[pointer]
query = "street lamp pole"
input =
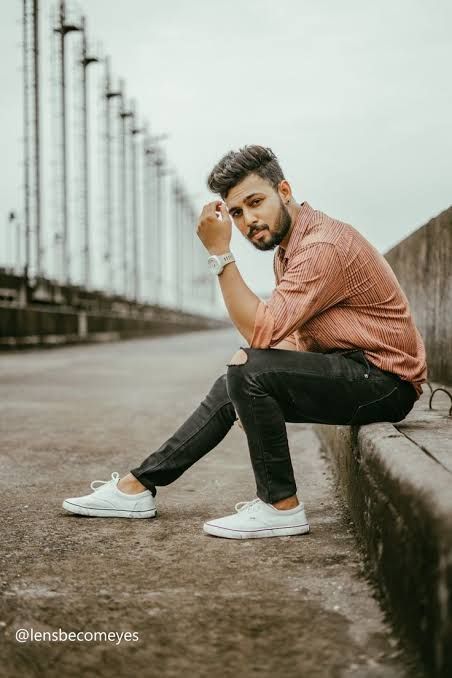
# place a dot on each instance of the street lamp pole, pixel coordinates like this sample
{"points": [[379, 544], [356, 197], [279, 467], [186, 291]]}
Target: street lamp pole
{"points": [[134, 130], [109, 95], [86, 61], [64, 29], [124, 114]]}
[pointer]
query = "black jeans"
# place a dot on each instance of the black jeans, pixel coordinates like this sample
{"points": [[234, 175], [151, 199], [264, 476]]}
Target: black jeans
{"points": [[272, 387]]}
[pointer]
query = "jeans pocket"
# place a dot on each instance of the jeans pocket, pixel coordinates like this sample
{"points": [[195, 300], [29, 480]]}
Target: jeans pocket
{"points": [[384, 408], [358, 356]]}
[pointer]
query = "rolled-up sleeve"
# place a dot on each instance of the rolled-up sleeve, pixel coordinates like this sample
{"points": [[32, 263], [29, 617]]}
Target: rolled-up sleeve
{"points": [[312, 282]]}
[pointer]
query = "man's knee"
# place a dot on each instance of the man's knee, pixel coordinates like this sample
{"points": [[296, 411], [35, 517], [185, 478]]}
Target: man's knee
{"points": [[239, 358]]}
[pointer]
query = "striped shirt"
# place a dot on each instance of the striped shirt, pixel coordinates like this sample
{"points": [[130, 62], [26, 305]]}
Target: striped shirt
{"points": [[334, 290]]}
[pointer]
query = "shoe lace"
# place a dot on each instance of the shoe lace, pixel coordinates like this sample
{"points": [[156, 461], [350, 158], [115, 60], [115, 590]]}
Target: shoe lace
{"points": [[246, 505], [114, 476]]}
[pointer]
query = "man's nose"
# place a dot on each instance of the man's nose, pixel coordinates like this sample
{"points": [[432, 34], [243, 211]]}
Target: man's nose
{"points": [[250, 220]]}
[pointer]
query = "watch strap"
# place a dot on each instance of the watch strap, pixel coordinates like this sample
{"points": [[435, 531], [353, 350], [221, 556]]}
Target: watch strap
{"points": [[227, 258]]}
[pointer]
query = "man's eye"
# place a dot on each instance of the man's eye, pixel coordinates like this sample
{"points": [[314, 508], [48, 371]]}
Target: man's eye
{"points": [[257, 201]]}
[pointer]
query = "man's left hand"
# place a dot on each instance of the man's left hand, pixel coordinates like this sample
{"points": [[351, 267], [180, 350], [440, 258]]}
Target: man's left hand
{"points": [[215, 233]]}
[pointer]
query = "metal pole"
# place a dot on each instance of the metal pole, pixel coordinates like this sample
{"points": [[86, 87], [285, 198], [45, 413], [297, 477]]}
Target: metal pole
{"points": [[109, 235], [180, 249], [157, 173], [18, 247], [181, 244], [124, 114], [63, 29], [86, 61], [159, 226], [192, 253], [148, 212], [133, 131], [65, 245], [9, 237], [136, 269], [37, 140], [177, 243], [26, 129]]}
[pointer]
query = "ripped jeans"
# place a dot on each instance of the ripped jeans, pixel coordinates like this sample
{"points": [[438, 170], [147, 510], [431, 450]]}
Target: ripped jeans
{"points": [[272, 387]]}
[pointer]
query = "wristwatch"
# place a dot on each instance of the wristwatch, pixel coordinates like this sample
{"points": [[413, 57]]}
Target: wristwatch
{"points": [[217, 262]]}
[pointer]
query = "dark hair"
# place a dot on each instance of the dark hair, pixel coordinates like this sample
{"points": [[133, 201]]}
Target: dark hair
{"points": [[236, 165]]}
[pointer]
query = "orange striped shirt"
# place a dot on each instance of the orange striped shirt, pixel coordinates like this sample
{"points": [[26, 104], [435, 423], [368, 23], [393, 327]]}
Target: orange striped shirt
{"points": [[334, 290]]}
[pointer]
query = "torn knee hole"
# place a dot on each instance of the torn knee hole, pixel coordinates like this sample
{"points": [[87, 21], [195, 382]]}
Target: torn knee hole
{"points": [[239, 358]]}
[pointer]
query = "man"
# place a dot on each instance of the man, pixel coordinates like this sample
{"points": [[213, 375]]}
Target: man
{"points": [[349, 351]]}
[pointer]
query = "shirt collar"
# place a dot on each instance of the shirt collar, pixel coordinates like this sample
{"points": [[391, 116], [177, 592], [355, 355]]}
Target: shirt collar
{"points": [[302, 221]]}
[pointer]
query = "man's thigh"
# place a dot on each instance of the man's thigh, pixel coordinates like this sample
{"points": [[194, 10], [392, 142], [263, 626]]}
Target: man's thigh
{"points": [[341, 387]]}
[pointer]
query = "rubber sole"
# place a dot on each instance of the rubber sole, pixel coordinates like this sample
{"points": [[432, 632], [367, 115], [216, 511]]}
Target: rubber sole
{"points": [[255, 534], [106, 513]]}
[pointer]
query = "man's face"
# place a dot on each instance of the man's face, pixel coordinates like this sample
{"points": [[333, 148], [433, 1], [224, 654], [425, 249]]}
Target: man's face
{"points": [[257, 209]]}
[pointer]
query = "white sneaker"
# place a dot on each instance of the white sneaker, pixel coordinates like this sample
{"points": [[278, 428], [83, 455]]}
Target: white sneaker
{"points": [[256, 519], [107, 501]]}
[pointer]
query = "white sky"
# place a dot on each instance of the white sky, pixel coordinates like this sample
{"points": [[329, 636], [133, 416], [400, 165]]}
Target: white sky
{"points": [[354, 97]]}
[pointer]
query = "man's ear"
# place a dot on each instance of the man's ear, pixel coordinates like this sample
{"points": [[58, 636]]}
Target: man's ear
{"points": [[284, 190]]}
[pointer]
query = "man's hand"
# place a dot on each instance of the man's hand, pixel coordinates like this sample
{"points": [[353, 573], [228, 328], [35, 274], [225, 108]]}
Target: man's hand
{"points": [[215, 233]]}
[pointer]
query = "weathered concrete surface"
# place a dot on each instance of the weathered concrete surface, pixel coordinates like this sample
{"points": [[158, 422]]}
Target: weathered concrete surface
{"points": [[397, 480], [202, 606], [431, 429], [423, 266]]}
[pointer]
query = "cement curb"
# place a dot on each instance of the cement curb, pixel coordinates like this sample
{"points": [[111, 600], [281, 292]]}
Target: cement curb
{"points": [[400, 500]]}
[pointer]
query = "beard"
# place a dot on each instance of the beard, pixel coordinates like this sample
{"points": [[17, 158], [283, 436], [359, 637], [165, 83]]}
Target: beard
{"points": [[277, 235]]}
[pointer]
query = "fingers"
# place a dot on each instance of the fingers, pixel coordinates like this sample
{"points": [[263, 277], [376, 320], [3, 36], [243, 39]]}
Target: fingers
{"points": [[224, 211], [211, 207]]}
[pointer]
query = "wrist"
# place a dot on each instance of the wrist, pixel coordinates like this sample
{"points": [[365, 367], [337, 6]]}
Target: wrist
{"points": [[217, 262]]}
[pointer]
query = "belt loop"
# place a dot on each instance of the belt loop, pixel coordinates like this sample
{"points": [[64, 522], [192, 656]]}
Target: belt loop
{"points": [[366, 376]]}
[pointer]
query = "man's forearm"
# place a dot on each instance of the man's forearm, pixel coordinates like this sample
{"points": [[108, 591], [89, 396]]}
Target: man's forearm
{"points": [[240, 301]]}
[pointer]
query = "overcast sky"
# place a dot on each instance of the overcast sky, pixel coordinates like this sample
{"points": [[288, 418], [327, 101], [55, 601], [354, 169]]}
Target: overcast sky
{"points": [[354, 97]]}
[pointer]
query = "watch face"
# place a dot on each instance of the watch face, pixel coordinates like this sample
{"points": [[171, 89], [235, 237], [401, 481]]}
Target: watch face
{"points": [[214, 265]]}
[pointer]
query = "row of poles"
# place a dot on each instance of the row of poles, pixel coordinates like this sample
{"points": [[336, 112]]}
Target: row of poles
{"points": [[145, 202]]}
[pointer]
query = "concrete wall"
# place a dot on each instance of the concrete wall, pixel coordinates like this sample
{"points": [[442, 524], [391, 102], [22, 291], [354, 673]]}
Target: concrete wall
{"points": [[41, 312], [35, 326], [423, 265]]}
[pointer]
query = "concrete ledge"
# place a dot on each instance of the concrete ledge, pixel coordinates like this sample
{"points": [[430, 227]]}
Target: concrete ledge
{"points": [[400, 497], [31, 326]]}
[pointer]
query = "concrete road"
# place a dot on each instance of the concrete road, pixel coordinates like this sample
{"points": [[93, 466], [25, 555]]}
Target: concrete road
{"points": [[200, 606]]}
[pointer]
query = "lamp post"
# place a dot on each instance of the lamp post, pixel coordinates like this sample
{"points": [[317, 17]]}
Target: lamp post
{"points": [[37, 149], [134, 130], [31, 104], [149, 210], [86, 61], [26, 134], [109, 95], [180, 200], [161, 172], [64, 29], [124, 114], [9, 237]]}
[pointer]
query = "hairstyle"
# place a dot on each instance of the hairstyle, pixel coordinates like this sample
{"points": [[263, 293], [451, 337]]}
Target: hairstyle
{"points": [[236, 165]]}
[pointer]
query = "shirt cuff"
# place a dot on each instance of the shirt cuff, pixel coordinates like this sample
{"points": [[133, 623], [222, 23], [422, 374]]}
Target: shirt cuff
{"points": [[264, 324]]}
